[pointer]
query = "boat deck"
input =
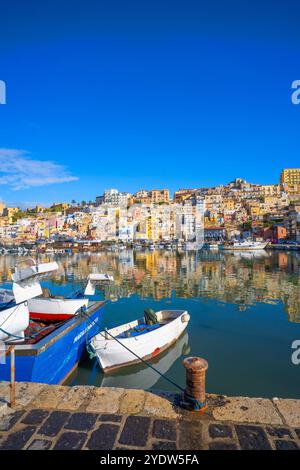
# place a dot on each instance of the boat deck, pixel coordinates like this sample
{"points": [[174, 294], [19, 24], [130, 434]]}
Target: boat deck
{"points": [[38, 334]]}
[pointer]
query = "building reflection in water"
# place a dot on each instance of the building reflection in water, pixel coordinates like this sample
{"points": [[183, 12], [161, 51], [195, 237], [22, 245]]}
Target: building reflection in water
{"points": [[240, 278]]}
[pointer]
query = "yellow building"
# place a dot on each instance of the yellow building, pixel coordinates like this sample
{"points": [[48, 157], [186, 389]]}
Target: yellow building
{"points": [[60, 205], [182, 194], [255, 209], [270, 189], [160, 195], [229, 204], [2, 207], [290, 176], [9, 212]]}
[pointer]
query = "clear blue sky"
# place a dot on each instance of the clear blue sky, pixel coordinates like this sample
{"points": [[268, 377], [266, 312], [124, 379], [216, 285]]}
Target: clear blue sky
{"points": [[145, 94]]}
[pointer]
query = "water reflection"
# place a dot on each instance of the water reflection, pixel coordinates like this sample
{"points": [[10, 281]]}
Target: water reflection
{"points": [[244, 311], [240, 278]]}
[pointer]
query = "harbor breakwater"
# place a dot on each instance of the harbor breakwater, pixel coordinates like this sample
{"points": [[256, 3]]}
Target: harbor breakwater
{"points": [[103, 418]]}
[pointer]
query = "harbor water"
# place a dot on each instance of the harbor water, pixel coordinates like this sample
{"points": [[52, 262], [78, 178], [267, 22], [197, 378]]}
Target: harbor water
{"points": [[244, 308]]}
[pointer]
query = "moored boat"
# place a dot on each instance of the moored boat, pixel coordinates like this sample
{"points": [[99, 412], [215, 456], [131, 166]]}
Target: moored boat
{"points": [[49, 309], [138, 339], [244, 245], [139, 375], [49, 354], [54, 309]]}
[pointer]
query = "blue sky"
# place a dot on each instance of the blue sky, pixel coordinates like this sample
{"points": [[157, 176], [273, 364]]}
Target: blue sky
{"points": [[133, 95]]}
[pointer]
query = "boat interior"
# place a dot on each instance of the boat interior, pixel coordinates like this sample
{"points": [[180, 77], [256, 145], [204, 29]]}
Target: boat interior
{"points": [[36, 331], [149, 322]]}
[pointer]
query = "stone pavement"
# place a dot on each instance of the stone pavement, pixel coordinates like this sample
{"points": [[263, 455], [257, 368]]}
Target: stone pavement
{"points": [[83, 417]]}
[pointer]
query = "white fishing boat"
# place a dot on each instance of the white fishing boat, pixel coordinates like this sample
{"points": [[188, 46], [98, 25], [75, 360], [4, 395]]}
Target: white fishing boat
{"points": [[49, 308], [53, 309], [243, 245], [144, 338], [43, 306]]}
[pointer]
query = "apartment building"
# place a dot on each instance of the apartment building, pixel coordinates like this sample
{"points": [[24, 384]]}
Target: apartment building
{"points": [[290, 176], [160, 195]]}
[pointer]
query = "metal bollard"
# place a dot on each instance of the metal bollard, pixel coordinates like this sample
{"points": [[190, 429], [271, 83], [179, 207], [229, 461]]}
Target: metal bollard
{"points": [[194, 398]]}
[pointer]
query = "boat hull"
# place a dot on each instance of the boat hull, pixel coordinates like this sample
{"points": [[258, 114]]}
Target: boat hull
{"points": [[53, 358], [14, 320], [112, 355], [53, 310]]}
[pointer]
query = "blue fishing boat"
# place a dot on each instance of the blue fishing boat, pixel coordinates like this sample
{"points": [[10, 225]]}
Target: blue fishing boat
{"points": [[49, 354]]}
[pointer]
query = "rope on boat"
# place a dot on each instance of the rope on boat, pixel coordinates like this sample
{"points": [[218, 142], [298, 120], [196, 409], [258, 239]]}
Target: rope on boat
{"points": [[83, 312], [32, 335], [11, 334]]}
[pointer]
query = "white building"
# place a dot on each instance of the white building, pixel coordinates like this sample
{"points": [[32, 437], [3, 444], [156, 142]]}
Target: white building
{"points": [[115, 198]]}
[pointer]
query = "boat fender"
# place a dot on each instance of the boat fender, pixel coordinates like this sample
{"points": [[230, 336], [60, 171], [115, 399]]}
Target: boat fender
{"points": [[185, 318]]}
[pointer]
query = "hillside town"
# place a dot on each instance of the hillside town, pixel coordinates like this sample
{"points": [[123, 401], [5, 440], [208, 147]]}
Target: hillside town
{"points": [[238, 209]]}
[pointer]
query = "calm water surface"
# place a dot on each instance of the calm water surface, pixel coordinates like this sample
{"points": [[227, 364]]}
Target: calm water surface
{"points": [[244, 308]]}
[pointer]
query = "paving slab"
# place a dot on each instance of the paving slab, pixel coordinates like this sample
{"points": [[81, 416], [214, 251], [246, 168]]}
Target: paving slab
{"points": [[252, 437], [248, 410], [164, 429], [111, 418], [135, 431], [289, 409], [158, 406], [103, 438], [105, 400], [50, 397], [18, 440], [286, 445], [191, 436], [70, 441], [132, 402], [39, 444], [81, 421], [35, 417], [25, 392], [8, 420], [75, 397], [54, 423]]}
